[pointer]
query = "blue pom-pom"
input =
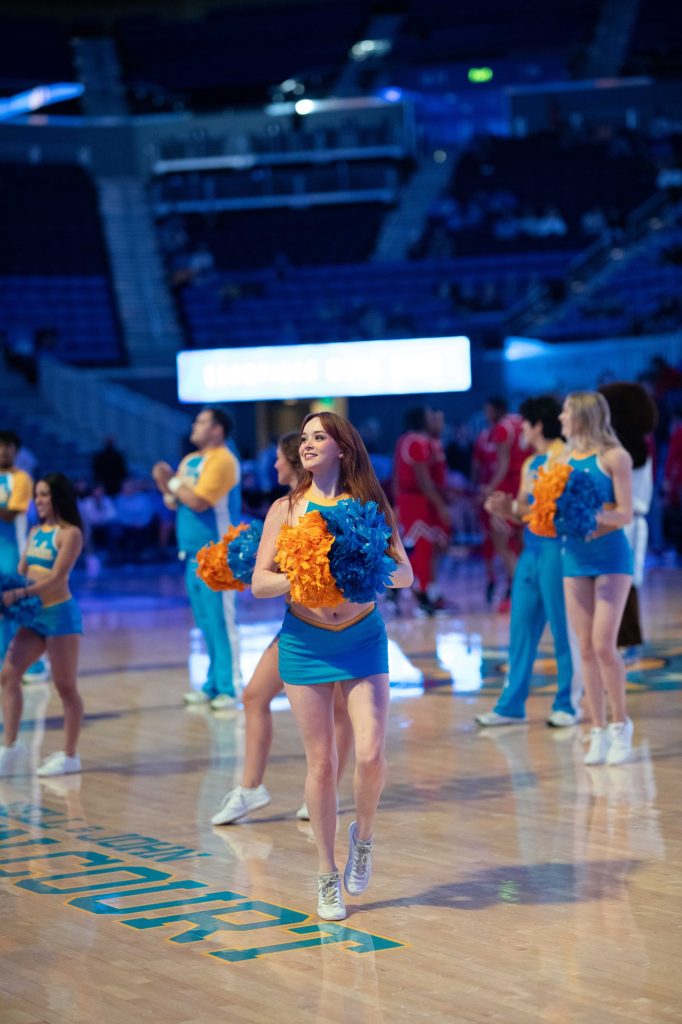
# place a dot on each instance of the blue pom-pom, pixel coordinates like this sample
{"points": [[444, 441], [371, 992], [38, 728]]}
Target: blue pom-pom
{"points": [[23, 611], [241, 552], [358, 559], [576, 509]]}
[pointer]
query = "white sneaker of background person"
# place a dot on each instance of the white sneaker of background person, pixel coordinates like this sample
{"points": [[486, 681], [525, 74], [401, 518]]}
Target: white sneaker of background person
{"points": [[59, 763], [13, 759]]}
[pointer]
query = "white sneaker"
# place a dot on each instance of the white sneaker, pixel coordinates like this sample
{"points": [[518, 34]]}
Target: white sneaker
{"points": [[330, 905], [223, 702], [358, 870], [11, 758], [620, 739], [303, 815], [488, 718], [196, 697], [239, 802], [599, 746], [563, 719], [38, 672], [59, 764]]}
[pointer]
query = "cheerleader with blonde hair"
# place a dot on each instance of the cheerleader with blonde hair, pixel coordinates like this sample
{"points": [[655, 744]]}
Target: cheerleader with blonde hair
{"points": [[597, 571]]}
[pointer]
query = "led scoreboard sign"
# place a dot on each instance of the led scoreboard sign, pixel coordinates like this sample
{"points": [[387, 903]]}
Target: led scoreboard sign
{"points": [[412, 366]]}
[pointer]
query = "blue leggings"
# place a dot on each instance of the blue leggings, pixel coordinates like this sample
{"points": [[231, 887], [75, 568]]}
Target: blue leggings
{"points": [[537, 598], [214, 615]]}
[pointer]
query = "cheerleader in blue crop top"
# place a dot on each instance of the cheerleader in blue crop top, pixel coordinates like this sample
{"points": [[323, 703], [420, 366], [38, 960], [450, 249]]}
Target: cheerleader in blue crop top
{"points": [[598, 572], [266, 683], [52, 551], [345, 644]]}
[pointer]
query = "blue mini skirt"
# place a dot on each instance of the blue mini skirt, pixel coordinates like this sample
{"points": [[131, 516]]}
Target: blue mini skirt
{"points": [[58, 619], [604, 556], [312, 654]]}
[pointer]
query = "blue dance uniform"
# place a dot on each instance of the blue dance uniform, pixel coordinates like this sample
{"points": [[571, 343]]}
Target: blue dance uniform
{"points": [[313, 653], [60, 619], [605, 555], [537, 597]]}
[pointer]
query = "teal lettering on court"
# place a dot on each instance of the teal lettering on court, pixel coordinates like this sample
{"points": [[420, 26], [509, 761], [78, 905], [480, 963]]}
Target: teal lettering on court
{"points": [[146, 847], [85, 857], [100, 904], [208, 922], [142, 874], [108, 880], [322, 935]]}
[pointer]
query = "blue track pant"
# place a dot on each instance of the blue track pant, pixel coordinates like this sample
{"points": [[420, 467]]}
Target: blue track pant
{"points": [[537, 598], [214, 614]]}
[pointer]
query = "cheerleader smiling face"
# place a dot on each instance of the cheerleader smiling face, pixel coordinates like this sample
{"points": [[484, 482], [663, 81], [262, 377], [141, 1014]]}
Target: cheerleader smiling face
{"points": [[319, 452], [43, 501]]}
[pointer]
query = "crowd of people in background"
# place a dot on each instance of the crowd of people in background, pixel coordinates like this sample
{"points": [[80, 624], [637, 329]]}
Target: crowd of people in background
{"points": [[126, 522]]}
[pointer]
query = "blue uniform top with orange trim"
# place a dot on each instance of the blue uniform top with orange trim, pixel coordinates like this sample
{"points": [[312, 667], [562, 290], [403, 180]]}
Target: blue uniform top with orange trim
{"points": [[42, 552], [212, 475]]}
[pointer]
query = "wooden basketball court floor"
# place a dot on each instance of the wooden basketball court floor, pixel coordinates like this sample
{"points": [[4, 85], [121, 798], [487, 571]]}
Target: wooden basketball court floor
{"points": [[512, 883]]}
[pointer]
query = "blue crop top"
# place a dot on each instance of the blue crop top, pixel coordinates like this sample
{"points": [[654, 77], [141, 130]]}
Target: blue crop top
{"points": [[42, 548]]}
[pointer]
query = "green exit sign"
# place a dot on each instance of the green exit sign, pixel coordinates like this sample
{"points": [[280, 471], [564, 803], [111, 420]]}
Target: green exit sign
{"points": [[479, 75]]}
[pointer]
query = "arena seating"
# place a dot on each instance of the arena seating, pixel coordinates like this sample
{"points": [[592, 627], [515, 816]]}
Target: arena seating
{"points": [[53, 265], [638, 296], [516, 178]]}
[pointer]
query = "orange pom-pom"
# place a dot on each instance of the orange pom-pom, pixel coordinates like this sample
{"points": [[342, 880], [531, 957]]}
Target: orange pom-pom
{"points": [[548, 487], [213, 567], [303, 555]]}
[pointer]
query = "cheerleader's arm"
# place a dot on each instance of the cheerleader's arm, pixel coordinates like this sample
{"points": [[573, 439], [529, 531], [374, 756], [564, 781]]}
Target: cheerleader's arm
{"points": [[619, 465], [267, 580], [403, 574]]}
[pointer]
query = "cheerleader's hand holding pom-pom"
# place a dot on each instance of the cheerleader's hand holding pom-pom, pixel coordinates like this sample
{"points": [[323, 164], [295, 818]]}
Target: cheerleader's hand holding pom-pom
{"points": [[358, 559], [24, 609], [213, 566], [548, 488], [302, 555], [242, 551], [577, 507]]}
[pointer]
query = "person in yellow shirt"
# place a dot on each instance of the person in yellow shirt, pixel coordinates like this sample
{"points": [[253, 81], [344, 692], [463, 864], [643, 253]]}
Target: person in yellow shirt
{"points": [[16, 491], [200, 491]]}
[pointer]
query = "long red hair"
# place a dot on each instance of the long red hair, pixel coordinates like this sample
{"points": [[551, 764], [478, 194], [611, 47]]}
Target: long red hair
{"points": [[357, 477]]}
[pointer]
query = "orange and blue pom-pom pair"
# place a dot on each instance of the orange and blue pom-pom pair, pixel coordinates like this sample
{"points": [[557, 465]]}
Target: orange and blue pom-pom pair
{"points": [[337, 554], [229, 564], [565, 503]]}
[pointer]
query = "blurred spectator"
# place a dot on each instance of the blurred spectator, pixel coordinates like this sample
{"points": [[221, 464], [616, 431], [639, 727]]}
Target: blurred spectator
{"points": [[98, 513], [423, 515], [27, 461], [266, 476], [135, 527], [497, 461], [593, 222], [551, 223], [109, 467]]}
